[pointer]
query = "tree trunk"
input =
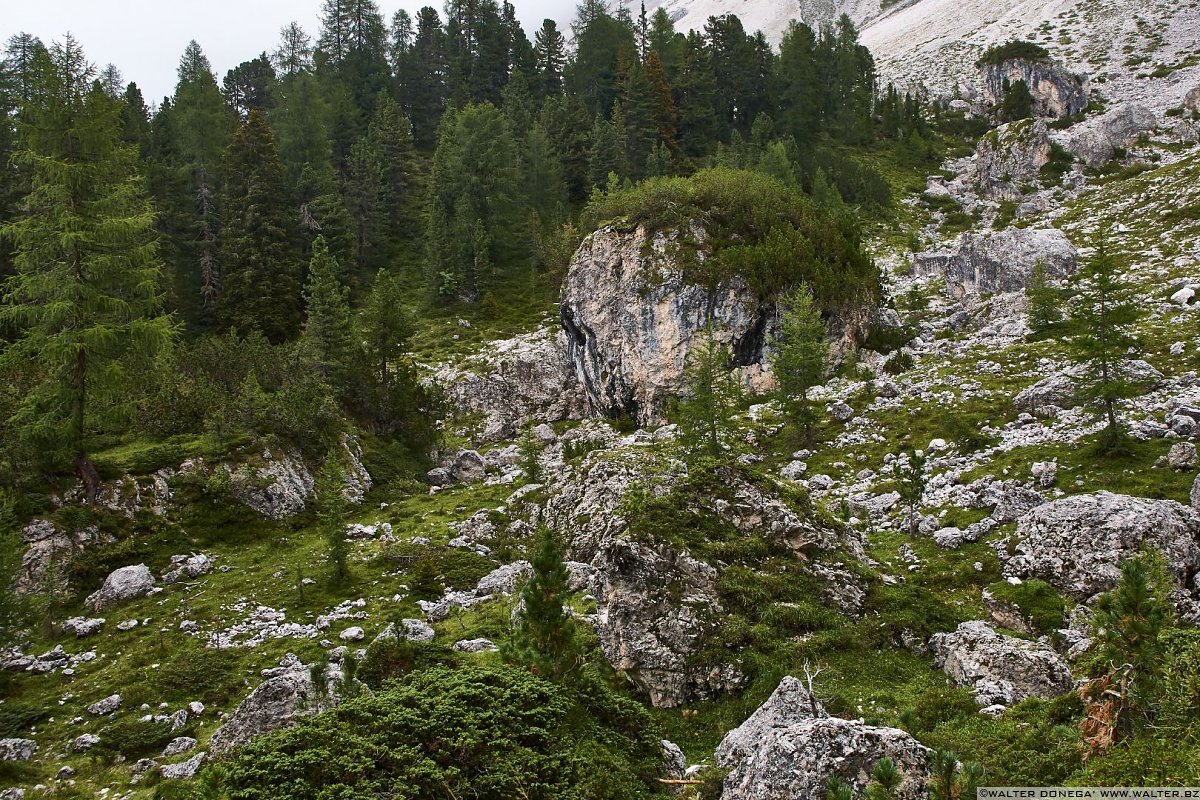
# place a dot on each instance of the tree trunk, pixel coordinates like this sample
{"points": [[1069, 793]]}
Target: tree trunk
{"points": [[87, 473]]}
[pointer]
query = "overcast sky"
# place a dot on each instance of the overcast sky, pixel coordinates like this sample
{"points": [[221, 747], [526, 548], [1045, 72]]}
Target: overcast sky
{"points": [[145, 38]]}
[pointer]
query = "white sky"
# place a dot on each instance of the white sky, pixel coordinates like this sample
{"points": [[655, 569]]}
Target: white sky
{"points": [[145, 38]]}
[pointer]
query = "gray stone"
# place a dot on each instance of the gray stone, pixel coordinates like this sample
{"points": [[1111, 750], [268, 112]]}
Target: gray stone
{"points": [[277, 702], [106, 706], [17, 749], [127, 625], [674, 762], [178, 746], [468, 467], [84, 742], [1061, 388], [1077, 544], [184, 770], [1182, 457], [790, 748], [503, 580], [122, 584], [64, 773], [277, 489], [439, 476], [82, 626], [353, 634], [841, 412], [1056, 90], [998, 261], [1191, 100], [191, 566], [999, 669], [1010, 155], [1096, 142], [1195, 497], [475, 646]]}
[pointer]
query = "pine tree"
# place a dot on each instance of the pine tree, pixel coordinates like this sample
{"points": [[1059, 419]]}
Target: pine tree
{"points": [[912, 478], [328, 328], [802, 353], [1046, 301], [250, 86], [550, 58], [544, 639], [428, 92], [331, 509], [261, 284], [295, 51], [1102, 321], [83, 303], [713, 397], [14, 609]]}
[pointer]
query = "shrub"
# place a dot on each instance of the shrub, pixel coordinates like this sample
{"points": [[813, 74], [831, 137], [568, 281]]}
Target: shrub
{"points": [[133, 738], [1036, 600], [200, 673], [1012, 50]]}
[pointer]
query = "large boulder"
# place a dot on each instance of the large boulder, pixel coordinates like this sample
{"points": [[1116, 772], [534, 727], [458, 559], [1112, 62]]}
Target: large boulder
{"points": [[511, 381], [122, 584], [279, 701], [790, 748], [655, 609], [277, 488], [1077, 544], [1000, 670], [1061, 388], [1057, 91], [49, 550], [1008, 156], [17, 749], [999, 261], [1096, 142], [631, 320]]}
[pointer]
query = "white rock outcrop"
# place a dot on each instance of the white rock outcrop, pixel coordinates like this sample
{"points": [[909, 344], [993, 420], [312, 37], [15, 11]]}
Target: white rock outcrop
{"points": [[122, 584], [1000, 670], [999, 261]]}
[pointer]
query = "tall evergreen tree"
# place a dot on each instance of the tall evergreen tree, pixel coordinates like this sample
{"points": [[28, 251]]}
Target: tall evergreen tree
{"points": [[801, 353], [713, 397], [260, 287], [544, 639], [295, 51], [328, 325], [550, 59], [429, 84], [1102, 320], [84, 303], [250, 85]]}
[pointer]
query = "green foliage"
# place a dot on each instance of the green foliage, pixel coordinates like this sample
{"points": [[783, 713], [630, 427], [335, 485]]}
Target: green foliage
{"points": [[331, 508], [133, 739], [478, 731], [544, 639], [950, 779], [1102, 322], [1014, 49], [757, 228], [1051, 173], [13, 609], [802, 353], [1017, 103], [531, 455], [912, 477], [328, 331], [1036, 600], [424, 580], [713, 397], [83, 303], [199, 673], [1046, 301]]}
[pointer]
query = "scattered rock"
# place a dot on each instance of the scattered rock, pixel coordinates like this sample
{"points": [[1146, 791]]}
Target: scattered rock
{"points": [[192, 566], [1182, 457], [999, 261], [82, 626], [475, 646], [122, 584], [127, 625], [179, 746], [1009, 155], [790, 748], [354, 634], [1096, 142], [1060, 388], [468, 467], [1000, 670], [106, 706], [278, 702], [277, 489], [1077, 544], [84, 742], [841, 412], [184, 770], [17, 749]]}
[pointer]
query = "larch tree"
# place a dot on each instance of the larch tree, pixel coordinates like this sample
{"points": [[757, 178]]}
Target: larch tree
{"points": [[261, 286], [1102, 321], [801, 353], [84, 302], [713, 397], [544, 639]]}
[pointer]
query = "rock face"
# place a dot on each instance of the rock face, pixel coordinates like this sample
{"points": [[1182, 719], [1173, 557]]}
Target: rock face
{"points": [[1096, 142], [1057, 92], [277, 489], [655, 608], [17, 749], [999, 261], [1078, 543], [1008, 156], [286, 695], [631, 321], [122, 584], [50, 546], [789, 748], [1001, 670], [515, 379]]}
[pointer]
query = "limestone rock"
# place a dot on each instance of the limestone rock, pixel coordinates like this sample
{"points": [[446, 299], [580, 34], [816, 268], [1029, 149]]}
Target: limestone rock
{"points": [[1182, 456], [503, 580], [509, 381], [631, 320], [277, 703], [475, 646], [468, 467], [789, 748], [49, 548], [1078, 543], [17, 749], [191, 566], [1000, 670], [1195, 497], [1057, 92], [1096, 142], [84, 742], [277, 489], [353, 634], [655, 608], [82, 626], [106, 706], [179, 745], [122, 584], [999, 261], [1060, 388], [1010, 155], [184, 770]]}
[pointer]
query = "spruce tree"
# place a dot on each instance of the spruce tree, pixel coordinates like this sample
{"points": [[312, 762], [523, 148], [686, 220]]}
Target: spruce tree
{"points": [[550, 58], [261, 284], [331, 508], [544, 639], [83, 304], [328, 328], [1101, 322], [912, 478], [1046, 301], [801, 353], [713, 397]]}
